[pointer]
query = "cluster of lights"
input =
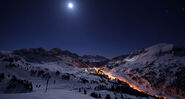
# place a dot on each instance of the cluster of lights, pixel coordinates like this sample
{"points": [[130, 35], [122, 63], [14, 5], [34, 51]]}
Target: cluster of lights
{"points": [[110, 76]]}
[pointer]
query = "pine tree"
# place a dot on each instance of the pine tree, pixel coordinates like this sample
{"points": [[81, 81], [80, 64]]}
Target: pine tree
{"points": [[99, 96], [107, 96], [93, 94], [85, 92], [79, 89]]}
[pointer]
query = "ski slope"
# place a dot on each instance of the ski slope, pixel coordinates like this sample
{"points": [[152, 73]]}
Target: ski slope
{"points": [[50, 94]]}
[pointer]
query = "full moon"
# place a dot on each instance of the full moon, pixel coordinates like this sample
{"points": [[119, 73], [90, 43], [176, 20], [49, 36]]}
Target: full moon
{"points": [[70, 5]]}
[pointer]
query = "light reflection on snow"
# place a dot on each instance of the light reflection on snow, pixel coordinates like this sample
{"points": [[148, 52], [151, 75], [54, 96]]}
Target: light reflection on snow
{"points": [[131, 59], [110, 76]]}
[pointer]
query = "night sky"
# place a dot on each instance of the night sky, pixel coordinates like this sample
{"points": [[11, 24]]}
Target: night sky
{"points": [[105, 27]]}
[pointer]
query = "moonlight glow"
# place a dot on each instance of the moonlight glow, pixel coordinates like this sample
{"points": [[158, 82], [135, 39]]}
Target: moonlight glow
{"points": [[70, 5]]}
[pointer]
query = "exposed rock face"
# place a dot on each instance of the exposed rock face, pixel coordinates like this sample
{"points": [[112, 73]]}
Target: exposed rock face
{"points": [[159, 69]]}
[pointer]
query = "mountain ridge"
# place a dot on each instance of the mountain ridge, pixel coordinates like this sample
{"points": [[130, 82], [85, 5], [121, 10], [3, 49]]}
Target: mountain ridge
{"points": [[148, 68]]}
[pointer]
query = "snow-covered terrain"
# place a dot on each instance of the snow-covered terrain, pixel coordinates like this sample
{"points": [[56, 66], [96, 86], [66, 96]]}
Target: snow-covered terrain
{"points": [[51, 94], [37, 73], [54, 74], [159, 69]]}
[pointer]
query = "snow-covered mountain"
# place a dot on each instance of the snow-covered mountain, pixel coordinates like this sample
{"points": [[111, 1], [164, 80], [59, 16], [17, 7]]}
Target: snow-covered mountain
{"points": [[94, 61], [40, 55], [159, 69], [37, 73]]}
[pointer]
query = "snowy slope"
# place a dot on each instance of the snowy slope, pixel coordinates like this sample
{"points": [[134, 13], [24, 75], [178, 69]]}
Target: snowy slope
{"points": [[51, 94], [25, 73], [159, 69]]}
